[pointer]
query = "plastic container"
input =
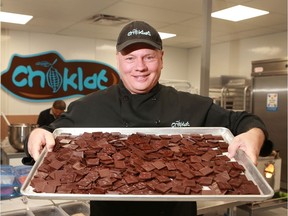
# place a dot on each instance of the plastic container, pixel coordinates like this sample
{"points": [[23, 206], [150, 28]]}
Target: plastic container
{"points": [[7, 181], [7, 175], [18, 213], [12, 179], [76, 208], [21, 173], [49, 211]]}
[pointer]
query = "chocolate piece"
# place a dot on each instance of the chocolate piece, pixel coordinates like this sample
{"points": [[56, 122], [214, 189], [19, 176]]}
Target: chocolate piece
{"points": [[179, 189], [92, 161], [196, 189], [145, 175], [119, 164], [118, 156], [130, 179], [214, 187], [163, 179], [188, 174], [189, 183], [234, 173], [148, 166], [104, 182], [162, 188], [126, 189], [224, 186], [170, 166], [236, 182], [208, 156], [206, 170], [175, 138], [222, 177], [159, 164], [238, 166], [197, 166], [104, 173], [195, 159], [205, 181]]}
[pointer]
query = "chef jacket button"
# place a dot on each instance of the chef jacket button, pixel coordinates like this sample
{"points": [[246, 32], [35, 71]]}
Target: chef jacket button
{"points": [[157, 122], [125, 98], [125, 124], [154, 99]]}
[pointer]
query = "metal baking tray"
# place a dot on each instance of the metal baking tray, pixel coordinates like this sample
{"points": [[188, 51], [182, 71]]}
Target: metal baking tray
{"points": [[252, 173]]}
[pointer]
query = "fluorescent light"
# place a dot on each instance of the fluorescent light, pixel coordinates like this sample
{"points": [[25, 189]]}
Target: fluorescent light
{"points": [[14, 18], [166, 35], [238, 13]]}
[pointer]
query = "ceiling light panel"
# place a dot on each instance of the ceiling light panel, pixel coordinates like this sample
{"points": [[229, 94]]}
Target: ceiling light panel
{"points": [[238, 13], [14, 18], [164, 35]]}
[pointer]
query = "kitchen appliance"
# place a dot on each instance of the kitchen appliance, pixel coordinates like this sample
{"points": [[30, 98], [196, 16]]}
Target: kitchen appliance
{"points": [[269, 102], [17, 133], [270, 168]]}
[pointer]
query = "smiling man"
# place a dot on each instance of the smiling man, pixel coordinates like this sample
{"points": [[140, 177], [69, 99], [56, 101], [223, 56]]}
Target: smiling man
{"points": [[140, 101]]}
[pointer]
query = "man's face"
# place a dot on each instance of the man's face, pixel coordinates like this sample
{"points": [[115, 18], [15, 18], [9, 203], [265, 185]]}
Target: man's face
{"points": [[57, 112], [140, 67]]}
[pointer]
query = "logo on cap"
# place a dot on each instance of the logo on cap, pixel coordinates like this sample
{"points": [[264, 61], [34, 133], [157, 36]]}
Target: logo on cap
{"points": [[138, 32]]}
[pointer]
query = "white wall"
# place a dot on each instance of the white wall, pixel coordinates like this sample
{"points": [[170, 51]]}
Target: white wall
{"points": [[71, 48], [235, 58], [231, 58]]}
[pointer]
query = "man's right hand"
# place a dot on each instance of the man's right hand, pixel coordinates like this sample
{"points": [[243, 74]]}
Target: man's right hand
{"points": [[38, 139]]}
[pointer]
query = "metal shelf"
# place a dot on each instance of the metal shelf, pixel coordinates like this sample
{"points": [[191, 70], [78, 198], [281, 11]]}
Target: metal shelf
{"points": [[235, 98], [264, 205]]}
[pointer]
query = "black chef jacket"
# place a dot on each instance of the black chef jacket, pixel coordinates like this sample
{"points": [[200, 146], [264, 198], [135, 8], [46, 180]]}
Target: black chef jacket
{"points": [[45, 118], [162, 107]]}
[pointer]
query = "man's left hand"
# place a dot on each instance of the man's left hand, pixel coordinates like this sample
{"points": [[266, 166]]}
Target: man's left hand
{"points": [[250, 142]]}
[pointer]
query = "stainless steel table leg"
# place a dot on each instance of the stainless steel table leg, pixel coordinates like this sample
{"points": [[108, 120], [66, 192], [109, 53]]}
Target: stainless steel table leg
{"points": [[230, 211]]}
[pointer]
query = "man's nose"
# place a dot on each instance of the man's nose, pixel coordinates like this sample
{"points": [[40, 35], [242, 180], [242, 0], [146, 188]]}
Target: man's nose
{"points": [[140, 65]]}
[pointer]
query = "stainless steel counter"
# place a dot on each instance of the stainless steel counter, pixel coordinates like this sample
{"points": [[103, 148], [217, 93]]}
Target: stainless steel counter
{"points": [[9, 155], [22, 203], [214, 206]]}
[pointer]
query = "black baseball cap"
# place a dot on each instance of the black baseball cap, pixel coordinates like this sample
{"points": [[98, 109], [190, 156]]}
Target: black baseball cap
{"points": [[138, 32]]}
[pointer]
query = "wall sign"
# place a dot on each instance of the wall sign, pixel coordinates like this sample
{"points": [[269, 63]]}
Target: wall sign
{"points": [[272, 102], [47, 76]]}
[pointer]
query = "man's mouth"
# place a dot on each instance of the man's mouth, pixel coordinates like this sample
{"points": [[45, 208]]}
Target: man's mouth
{"points": [[141, 77]]}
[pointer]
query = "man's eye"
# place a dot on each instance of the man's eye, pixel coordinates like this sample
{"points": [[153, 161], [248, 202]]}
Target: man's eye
{"points": [[149, 58], [129, 58]]}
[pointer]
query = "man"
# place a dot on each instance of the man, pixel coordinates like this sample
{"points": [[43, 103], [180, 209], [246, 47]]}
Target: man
{"points": [[140, 101], [47, 116]]}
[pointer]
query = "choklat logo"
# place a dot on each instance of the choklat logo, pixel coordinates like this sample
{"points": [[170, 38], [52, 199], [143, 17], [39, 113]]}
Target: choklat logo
{"points": [[47, 76]]}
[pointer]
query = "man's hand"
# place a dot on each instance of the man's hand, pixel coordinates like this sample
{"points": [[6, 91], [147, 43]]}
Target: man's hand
{"points": [[250, 142], [37, 140]]}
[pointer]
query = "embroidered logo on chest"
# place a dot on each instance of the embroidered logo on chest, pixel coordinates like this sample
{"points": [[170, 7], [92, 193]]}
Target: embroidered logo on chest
{"points": [[180, 124]]}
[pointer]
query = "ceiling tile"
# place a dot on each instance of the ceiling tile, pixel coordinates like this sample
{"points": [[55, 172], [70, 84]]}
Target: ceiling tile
{"points": [[181, 17]]}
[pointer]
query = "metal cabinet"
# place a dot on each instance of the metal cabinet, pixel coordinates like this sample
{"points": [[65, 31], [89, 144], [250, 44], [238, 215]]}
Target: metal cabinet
{"points": [[269, 102]]}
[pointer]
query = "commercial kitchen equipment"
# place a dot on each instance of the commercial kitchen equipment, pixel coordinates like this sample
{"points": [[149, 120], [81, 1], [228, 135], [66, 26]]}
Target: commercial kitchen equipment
{"points": [[231, 93], [180, 85], [269, 102], [18, 133]]}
